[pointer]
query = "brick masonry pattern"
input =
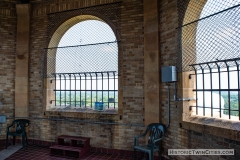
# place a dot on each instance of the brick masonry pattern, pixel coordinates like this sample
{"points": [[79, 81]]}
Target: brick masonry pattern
{"points": [[111, 136]]}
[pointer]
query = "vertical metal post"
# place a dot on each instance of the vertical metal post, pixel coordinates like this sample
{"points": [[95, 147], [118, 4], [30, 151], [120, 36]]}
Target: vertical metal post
{"points": [[75, 80], [85, 90], [70, 92], [228, 76], [96, 87], [60, 89], [55, 76], [219, 87], [237, 65], [102, 86], [203, 89], [91, 87], [65, 86], [108, 87], [195, 70], [80, 78], [114, 88], [238, 91], [196, 90], [210, 69]]}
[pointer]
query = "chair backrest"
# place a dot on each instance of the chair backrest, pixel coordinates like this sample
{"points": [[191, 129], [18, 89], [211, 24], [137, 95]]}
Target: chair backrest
{"points": [[156, 131], [21, 125]]}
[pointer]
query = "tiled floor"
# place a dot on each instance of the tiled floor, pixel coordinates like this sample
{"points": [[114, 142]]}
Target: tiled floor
{"points": [[35, 152]]}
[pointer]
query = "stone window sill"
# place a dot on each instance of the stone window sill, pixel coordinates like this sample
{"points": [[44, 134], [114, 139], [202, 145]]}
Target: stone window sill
{"points": [[216, 122], [83, 110], [107, 114]]}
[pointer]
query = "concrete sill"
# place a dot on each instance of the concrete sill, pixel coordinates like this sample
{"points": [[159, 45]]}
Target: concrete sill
{"points": [[215, 122]]}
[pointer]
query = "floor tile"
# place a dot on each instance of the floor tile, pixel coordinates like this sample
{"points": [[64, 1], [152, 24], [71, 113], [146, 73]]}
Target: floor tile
{"points": [[37, 152]]}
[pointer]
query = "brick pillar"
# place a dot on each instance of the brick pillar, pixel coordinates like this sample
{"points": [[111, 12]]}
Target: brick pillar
{"points": [[22, 60], [151, 62]]}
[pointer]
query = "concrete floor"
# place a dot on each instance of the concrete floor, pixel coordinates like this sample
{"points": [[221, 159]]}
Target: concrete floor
{"points": [[5, 153]]}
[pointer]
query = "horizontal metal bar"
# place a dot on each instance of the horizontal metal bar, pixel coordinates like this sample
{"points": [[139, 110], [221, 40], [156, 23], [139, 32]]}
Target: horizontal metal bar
{"points": [[80, 121], [225, 60], [208, 16], [216, 89], [82, 79], [82, 45], [84, 90], [85, 72], [215, 72], [184, 99], [213, 108], [84, 101]]}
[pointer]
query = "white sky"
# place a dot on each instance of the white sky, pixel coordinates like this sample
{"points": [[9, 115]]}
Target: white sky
{"points": [[217, 32], [86, 32]]}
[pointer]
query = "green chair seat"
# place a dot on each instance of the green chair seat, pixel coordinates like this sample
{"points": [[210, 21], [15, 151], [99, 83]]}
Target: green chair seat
{"points": [[19, 127], [155, 132]]}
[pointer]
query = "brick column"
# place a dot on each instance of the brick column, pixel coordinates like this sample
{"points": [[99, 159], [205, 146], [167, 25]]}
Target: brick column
{"points": [[22, 60], [151, 62]]}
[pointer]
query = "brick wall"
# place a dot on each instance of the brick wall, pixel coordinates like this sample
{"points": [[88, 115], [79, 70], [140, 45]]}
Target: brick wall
{"points": [[179, 136], [132, 82], [8, 21], [112, 136]]}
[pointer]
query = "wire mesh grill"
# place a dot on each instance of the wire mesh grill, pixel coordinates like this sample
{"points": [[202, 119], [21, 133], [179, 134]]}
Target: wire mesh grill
{"points": [[83, 58], [108, 12], [89, 42], [212, 37]]}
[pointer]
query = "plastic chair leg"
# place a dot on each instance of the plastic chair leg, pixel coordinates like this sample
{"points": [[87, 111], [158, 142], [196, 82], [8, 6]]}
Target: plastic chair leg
{"points": [[23, 141], [13, 141], [6, 142], [26, 139], [159, 155], [134, 154], [151, 157]]}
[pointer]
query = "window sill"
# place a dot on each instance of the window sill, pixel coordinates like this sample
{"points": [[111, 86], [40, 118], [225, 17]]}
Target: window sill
{"points": [[84, 113], [216, 122], [83, 110]]}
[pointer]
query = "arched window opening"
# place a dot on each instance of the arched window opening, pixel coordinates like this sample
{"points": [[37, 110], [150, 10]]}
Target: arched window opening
{"points": [[210, 48], [85, 67]]}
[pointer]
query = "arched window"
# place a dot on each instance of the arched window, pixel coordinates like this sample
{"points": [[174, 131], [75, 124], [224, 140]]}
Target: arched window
{"points": [[210, 48], [84, 65]]}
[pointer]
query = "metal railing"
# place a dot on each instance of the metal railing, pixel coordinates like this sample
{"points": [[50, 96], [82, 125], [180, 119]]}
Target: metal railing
{"points": [[218, 81], [85, 88]]}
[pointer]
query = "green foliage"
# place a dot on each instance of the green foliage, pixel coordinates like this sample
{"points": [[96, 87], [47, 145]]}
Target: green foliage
{"points": [[85, 98], [233, 104]]}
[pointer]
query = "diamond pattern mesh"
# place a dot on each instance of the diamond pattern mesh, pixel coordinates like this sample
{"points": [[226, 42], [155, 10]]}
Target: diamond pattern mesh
{"points": [[91, 45], [83, 58], [214, 36]]}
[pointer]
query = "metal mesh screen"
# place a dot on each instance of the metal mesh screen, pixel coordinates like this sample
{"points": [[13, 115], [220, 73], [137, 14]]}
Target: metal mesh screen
{"points": [[89, 42], [212, 36], [83, 58]]}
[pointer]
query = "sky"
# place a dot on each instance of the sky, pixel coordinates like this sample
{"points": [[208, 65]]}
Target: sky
{"points": [[217, 38], [87, 58]]}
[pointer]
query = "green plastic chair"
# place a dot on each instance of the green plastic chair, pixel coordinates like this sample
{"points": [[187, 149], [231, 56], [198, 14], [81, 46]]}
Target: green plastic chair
{"points": [[155, 133], [19, 127]]}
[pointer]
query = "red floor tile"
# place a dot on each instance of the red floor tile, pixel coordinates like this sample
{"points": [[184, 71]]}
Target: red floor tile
{"points": [[35, 152]]}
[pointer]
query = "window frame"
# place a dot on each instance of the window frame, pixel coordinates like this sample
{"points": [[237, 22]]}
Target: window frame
{"points": [[186, 85], [86, 77], [49, 84], [212, 68]]}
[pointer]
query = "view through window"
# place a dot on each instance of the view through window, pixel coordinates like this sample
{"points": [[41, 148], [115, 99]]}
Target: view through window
{"points": [[87, 67], [217, 60]]}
